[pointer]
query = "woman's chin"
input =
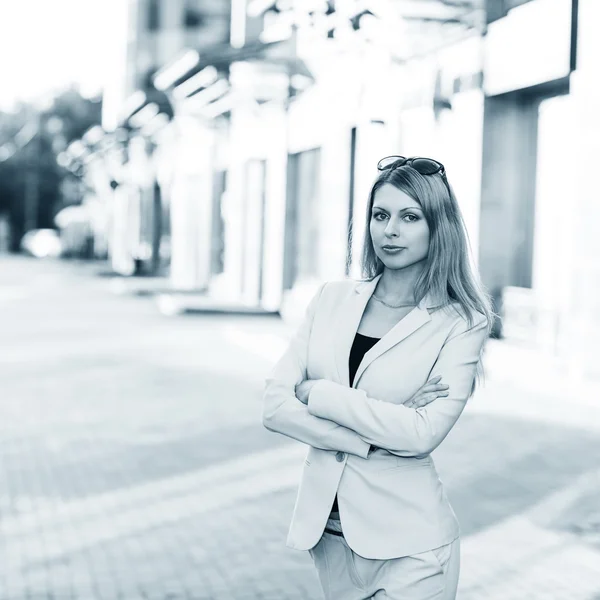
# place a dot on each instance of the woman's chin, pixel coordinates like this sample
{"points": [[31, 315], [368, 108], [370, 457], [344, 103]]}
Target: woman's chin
{"points": [[397, 263], [392, 262]]}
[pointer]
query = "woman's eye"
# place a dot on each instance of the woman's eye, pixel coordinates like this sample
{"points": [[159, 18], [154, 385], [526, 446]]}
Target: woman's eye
{"points": [[377, 215], [411, 218]]}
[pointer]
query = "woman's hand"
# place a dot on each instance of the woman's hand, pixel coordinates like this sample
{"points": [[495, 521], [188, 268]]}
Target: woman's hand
{"points": [[432, 390], [303, 390]]}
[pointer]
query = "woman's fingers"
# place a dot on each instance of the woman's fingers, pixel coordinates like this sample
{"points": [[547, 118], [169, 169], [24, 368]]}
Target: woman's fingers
{"points": [[432, 390], [425, 399], [302, 390], [438, 387], [428, 398]]}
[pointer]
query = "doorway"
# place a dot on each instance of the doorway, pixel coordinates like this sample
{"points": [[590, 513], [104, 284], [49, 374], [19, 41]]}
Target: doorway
{"points": [[509, 194], [301, 249]]}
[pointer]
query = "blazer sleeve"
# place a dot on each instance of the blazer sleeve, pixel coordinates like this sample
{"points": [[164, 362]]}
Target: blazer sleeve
{"points": [[284, 413], [402, 430]]}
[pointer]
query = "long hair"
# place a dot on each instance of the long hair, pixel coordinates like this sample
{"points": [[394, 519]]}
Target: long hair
{"points": [[448, 274]]}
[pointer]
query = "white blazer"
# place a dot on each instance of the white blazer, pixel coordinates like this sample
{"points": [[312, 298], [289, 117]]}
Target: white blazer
{"points": [[391, 501]]}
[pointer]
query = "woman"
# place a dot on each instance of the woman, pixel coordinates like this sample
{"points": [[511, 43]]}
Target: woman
{"points": [[375, 378]]}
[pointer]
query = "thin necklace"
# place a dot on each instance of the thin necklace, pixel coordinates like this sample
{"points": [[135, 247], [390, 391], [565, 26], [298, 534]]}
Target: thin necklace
{"points": [[392, 305]]}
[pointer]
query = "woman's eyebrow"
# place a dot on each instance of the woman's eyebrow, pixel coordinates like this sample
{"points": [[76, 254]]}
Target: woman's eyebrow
{"points": [[401, 210]]}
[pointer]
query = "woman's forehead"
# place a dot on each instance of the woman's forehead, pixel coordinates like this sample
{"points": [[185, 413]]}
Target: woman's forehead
{"points": [[390, 197]]}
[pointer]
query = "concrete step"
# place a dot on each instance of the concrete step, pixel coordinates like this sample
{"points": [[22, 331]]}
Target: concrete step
{"points": [[172, 304]]}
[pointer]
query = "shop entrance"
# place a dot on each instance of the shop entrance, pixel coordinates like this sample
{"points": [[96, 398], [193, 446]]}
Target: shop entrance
{"points": [[513, 145]]}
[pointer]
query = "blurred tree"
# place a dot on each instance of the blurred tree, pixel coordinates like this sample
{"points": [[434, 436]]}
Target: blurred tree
{"points": [[31, 137]]}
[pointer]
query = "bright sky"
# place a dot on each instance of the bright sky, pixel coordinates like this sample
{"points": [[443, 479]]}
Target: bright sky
{"points": [[46, 44]]}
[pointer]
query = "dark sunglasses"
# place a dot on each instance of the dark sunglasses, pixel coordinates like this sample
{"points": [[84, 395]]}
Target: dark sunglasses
{"points": [[425, 166]]}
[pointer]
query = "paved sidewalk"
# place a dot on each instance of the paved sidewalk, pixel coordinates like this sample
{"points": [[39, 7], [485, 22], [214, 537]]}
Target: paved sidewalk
{"points": [[133, 463]]}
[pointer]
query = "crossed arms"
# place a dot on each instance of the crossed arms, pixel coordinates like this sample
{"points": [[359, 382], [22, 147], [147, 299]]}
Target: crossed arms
{"points": [[338, 417]]}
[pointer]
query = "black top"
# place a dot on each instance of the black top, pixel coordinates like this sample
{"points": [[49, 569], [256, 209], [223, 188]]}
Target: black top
{"points": [[361, 345]]}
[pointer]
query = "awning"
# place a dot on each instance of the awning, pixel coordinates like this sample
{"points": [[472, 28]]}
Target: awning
{"points": [[222, 56]]}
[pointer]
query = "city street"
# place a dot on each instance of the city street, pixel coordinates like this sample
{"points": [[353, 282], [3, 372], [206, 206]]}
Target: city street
{"points": [[134, 464]]}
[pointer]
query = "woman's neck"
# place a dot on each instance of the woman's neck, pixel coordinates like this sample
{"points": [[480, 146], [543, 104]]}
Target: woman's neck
{"points": [[399, 284]]}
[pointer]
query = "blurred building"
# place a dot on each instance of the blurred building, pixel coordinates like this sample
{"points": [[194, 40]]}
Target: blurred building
{"points": [[527, 238], [383, 76], [525, 127], [253, 128], [281, 106], [151, 33], [579, 195], [314, 96]]}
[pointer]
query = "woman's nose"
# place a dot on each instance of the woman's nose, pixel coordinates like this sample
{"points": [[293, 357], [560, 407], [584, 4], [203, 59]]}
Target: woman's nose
{"points": [[392, 229]]}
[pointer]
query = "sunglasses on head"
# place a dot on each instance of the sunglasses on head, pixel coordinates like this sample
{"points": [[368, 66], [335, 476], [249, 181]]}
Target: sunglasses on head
{"points": [[425, 166]]}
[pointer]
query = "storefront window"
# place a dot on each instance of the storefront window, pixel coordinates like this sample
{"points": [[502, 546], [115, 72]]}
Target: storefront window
{"points": [[302, 229]]}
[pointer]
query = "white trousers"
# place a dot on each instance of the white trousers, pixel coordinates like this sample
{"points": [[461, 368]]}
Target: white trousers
{"points": [[344, 575]]}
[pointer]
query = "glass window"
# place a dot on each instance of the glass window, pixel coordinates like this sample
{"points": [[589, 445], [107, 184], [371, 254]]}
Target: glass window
{"points": [[302, 239]]}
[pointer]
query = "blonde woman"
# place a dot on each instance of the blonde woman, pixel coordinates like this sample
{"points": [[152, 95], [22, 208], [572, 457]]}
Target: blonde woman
{"points": [[376, 377]]}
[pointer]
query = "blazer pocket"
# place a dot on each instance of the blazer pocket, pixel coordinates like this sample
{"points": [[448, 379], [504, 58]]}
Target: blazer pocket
{"points": [[403, 464]]}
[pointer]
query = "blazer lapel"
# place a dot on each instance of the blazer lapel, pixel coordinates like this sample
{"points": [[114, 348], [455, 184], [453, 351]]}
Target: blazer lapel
{"points": [[415, 319], [348, 320]]}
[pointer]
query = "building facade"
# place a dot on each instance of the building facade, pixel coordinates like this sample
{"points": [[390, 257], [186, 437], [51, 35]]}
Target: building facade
{"points": [[527, 124], [376, 93], [267, 167], [582, 190], [157, 179]]}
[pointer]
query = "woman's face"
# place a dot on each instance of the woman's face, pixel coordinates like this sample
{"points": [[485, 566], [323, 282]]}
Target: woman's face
{"points": [[398, 223]]}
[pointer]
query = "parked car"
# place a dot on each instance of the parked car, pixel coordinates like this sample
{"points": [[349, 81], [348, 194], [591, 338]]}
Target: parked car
{"points": [[42, 243]]}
